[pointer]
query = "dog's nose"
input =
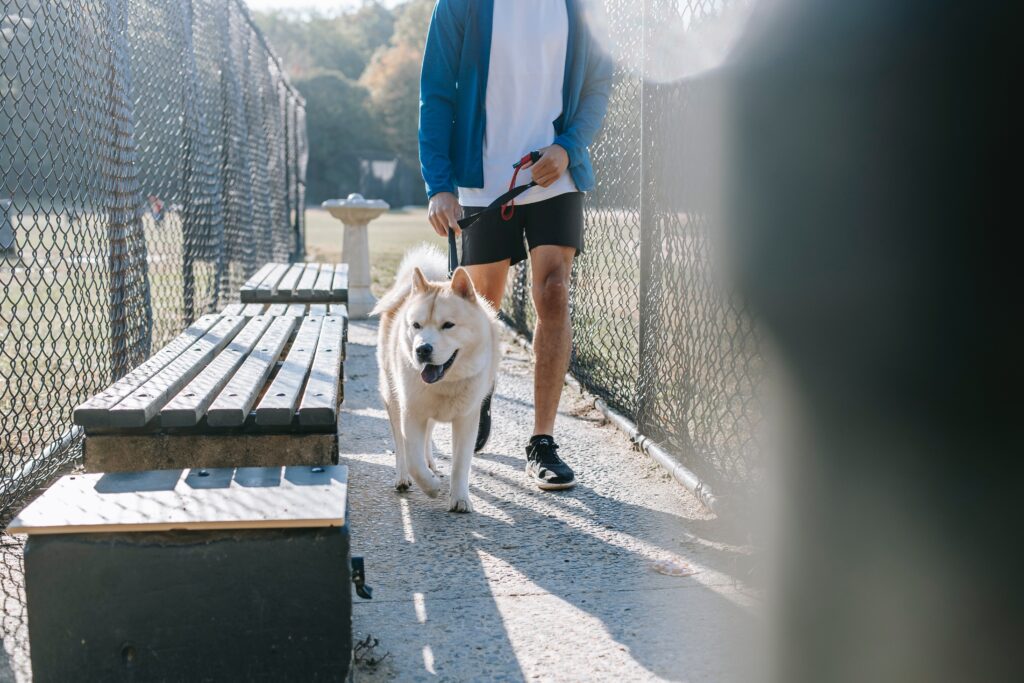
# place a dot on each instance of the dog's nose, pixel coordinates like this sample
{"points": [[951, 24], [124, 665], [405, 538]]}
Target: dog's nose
{"points": [[423, 352]]}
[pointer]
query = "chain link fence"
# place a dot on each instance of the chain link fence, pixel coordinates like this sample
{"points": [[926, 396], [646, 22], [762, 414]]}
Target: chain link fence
{"points": [[655, 333], [152, 156]]}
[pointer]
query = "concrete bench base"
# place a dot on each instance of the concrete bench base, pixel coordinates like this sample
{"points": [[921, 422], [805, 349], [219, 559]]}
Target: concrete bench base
{"points": [[239, 605]]}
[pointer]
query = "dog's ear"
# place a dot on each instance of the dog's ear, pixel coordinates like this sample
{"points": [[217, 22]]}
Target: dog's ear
{"points": [[419, 282], [462, 284]]}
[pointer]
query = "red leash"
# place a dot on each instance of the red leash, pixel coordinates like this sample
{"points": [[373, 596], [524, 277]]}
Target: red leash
{"points": [[509, 209]]}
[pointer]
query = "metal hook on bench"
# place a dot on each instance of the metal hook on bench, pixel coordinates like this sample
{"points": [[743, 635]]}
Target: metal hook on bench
{"points": [[359, 578]]}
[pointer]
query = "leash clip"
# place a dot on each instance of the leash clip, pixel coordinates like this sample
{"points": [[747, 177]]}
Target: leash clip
{"points": [[532, 157]]}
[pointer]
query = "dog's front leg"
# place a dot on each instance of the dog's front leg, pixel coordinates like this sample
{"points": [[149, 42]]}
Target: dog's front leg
{"points": [[428, 449], [464, 430], [416, 434], [402, 479]]}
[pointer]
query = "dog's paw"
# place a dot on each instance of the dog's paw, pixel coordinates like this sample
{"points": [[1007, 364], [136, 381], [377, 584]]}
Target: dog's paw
{"points": [[459, 504], [403, 485], [431, 487]]}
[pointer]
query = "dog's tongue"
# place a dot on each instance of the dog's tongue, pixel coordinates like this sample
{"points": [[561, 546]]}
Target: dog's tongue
{"points": [[432, 373]]}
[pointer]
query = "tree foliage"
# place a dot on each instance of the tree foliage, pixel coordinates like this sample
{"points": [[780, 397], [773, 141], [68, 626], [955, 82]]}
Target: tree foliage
{"points": [[392, 77], [359, 72], [340, 126]]}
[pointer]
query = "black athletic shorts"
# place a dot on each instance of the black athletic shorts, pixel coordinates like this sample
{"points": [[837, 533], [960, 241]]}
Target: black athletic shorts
{"points": [[557, 221]]}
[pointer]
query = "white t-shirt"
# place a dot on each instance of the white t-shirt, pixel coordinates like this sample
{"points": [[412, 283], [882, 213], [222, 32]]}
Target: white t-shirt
{"points": [[524, 96]]}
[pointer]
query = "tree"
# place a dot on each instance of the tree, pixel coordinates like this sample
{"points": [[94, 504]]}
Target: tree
{"points": [[359, 72], [310, 42], [392, 77], [340, 125]]}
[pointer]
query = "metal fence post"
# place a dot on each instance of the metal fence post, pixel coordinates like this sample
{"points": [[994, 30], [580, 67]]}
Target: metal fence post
{"points": [[648, 238], [122, 196], [288, 168], [8, 246], [189, 223]]}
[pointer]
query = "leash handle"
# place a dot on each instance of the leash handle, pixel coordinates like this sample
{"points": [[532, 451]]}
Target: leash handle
{"points": [[507, 198], [508, 210], [505, 203]]}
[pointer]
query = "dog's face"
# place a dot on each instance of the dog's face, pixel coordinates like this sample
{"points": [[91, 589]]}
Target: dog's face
{"points": [[444, 325]]}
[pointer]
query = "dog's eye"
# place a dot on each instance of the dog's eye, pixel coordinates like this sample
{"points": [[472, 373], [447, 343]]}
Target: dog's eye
{"points": [[416, 326], [448, 326]]}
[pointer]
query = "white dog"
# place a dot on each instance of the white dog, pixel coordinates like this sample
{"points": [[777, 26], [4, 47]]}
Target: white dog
{"points": [[438, 350]]}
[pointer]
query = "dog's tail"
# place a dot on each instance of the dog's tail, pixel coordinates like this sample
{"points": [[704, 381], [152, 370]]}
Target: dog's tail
{"points": [[429, 259]]}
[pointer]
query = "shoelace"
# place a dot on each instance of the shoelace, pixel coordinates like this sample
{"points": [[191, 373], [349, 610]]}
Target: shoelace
{"points": [[545, 452]]}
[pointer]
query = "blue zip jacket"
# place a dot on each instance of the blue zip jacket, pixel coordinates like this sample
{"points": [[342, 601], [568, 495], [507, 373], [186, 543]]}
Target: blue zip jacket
{"points": [[453, 85]]}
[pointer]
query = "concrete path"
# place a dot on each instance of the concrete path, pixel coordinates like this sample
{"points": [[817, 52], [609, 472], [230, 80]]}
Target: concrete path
{"points": [[535, 586]]}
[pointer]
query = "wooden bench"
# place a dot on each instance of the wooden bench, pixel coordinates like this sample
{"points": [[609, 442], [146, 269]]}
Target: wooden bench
{"points": [[254, 309], [249, 387], [180, 575], [297, 283]]}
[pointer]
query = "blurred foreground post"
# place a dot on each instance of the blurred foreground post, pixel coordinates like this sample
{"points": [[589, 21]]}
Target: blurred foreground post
{"points": [[869, 207], [356, 213]]}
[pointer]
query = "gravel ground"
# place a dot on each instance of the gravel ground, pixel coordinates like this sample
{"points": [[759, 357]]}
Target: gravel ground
{"points": [[559, 586]]}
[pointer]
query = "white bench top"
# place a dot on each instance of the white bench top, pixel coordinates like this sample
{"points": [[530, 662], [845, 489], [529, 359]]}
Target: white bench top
{"points": [[190, 500]]}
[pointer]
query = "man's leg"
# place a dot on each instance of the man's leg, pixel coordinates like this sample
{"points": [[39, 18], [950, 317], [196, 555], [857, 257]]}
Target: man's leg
{"points": [[551, 267], [489, 280]]}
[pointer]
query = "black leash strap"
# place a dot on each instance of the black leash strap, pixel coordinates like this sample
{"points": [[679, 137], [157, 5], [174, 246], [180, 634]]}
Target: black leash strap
{"points": [[453, 253], [505, 203]]}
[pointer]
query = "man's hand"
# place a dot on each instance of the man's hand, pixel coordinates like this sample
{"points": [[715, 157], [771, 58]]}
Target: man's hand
{"points": [[551, 165], [444, 212]]}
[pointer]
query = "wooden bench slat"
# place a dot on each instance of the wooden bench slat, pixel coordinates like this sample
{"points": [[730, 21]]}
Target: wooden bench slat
{"points": [[277, 309], [232, 405], [324, 281], [258, 277], [252, 310], [318, 309], [233, 309], [339, 288], [286, 288], [187, 408], [139, 407], [304, 288], [96, 411], [279, 402], [266, 288], [341, 311], [297, 310], [320, 398]]}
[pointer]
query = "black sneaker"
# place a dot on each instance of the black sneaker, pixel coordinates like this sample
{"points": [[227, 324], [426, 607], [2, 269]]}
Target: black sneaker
{"points": [[483, 432], [544, 466]]}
